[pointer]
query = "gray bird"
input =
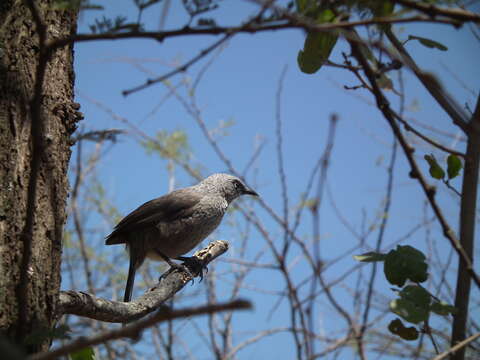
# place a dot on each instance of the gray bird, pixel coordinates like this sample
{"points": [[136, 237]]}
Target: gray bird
{"points": [[171, 225]]}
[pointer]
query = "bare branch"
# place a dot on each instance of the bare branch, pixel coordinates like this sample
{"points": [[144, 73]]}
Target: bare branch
{"points": [[457, 347], [280, 158], [425, 138], [468, 211], [179, 69], [435, 89], [99, 135], [381, 232], [134, 331], [87, 305], [250, 28], [432, 11]]}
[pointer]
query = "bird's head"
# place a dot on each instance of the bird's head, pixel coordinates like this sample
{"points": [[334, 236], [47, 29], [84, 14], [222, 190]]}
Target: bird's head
{"points": [[229, 186]]}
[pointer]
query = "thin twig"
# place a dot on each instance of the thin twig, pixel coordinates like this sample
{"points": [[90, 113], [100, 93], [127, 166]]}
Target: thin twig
{"points": [[425, 138], [432, 11], [77, 222], [457, 347], [435, 89], [383, 225], [182, 68], [315, 210], [280, 160]]}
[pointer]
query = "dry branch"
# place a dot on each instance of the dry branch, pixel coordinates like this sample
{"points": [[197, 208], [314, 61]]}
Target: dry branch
{"points": [[87, 305], [134, 330]]}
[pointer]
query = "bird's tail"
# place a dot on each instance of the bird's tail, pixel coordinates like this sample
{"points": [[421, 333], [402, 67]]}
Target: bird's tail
{"points": [[131, 278]]}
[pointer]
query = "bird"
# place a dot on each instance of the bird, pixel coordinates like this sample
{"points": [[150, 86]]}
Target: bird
{"points": [[170, 226]]}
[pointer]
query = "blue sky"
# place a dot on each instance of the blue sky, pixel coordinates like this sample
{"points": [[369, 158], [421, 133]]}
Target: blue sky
{"points": [[241, 85]]}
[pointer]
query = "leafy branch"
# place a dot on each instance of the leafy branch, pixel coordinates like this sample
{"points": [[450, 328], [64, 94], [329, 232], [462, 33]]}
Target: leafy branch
{"points": [[406, 268]]}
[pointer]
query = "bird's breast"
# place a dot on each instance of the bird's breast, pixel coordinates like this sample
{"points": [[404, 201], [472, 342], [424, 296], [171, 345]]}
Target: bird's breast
{"points": [[178, 237]]}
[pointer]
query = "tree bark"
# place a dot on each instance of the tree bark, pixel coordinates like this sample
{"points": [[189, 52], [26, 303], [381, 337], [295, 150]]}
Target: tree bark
{"points": [[30, 254]]}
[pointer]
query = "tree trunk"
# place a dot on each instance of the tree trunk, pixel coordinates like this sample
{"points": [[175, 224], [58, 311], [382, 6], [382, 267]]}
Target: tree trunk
{"points": [[33, 177]]}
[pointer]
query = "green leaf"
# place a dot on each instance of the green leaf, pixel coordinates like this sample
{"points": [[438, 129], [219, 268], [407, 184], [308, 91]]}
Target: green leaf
{"points": [[413, 305], [371, 256], [417, 295], [428, 42], [84, 354], [454, 165], [317, 46], [442, 308], [409, 310], [396, 327], [435, 170], [316, 51], [403, 263]]}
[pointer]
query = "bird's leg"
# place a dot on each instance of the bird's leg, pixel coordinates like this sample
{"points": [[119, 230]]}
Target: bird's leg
{"points": [[195, 265], [173, 266]]}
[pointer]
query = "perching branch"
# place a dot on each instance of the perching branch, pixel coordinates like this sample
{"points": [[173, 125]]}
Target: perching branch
{"points": [[87, 305]]}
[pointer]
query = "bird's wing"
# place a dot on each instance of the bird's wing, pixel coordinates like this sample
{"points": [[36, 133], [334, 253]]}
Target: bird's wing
{"points": [[176, 205]]}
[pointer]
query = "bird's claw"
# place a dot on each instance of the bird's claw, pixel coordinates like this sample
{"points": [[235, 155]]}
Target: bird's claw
{"points": [[178, 267], [194, 265]]}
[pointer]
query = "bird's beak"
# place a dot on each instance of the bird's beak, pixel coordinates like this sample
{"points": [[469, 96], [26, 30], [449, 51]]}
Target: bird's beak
{"points": [[249, 191]]}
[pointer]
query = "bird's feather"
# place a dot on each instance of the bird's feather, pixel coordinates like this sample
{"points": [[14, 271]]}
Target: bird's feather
{"points": [[173, 206]]}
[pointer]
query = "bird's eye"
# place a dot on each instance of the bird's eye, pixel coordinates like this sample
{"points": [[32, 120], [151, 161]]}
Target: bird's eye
{"points": [[238, 185]]}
